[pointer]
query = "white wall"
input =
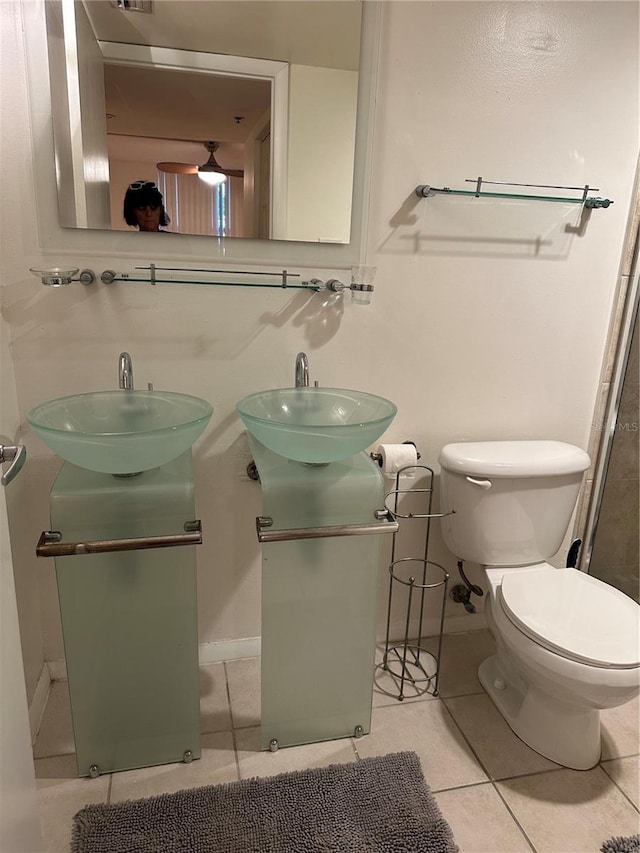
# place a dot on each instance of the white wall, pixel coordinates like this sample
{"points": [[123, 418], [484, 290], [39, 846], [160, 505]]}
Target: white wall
{"points": [[18, 199], [21, 644], [470, 332], [322, 127]]}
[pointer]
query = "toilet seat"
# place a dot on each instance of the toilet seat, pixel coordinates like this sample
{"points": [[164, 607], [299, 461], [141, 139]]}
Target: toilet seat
{"points": [[574, 615]]}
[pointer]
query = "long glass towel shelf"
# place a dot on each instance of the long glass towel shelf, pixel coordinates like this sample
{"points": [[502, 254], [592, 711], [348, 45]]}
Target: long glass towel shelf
{"points": [[360, 286], [591, 202], [286, 280]]}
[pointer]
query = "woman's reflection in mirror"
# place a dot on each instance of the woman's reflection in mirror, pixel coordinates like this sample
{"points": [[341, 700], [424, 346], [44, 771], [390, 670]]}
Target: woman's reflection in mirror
{"points": [[144, 207]]}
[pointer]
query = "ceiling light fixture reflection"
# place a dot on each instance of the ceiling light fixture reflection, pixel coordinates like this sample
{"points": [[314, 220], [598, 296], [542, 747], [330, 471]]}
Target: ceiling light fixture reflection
{"points": [[211, 172], [211, 178]]}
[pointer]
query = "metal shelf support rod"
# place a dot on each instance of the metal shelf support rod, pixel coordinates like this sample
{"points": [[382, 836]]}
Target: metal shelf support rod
{"points": [[215, 283]]}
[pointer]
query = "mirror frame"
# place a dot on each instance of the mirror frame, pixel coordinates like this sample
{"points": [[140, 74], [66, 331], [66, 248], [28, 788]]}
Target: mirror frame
{"points": [[55, 238]]}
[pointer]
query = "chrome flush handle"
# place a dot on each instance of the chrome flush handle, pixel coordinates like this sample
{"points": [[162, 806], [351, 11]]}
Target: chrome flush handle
{"points": [[483, 484]]}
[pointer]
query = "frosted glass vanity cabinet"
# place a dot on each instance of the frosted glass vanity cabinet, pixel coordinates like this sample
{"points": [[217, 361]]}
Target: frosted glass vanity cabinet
{"points": [[129, 618], [318, 598]]}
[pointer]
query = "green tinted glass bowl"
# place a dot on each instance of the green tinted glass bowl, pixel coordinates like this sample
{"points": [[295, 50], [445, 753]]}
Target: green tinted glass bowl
{"points": [[316, 425], [121, 432]]}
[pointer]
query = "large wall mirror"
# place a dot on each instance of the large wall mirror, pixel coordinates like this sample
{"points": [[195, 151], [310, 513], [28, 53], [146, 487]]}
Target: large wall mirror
{"points": [[250, 118]]}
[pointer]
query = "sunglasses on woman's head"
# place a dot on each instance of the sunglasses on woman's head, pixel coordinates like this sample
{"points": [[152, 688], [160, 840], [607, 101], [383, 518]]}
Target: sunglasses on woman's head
{"points": [[138, 185]]}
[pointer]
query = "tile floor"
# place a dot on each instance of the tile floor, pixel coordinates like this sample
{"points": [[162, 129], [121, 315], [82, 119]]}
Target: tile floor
{"points": [[497, 794]]}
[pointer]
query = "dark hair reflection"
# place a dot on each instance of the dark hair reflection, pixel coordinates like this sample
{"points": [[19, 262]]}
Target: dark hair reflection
{"points": [[144, 207]]}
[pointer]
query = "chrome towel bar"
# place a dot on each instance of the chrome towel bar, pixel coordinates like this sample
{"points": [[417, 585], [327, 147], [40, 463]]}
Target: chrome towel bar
{"points": [[385, 524], [50, 544]]}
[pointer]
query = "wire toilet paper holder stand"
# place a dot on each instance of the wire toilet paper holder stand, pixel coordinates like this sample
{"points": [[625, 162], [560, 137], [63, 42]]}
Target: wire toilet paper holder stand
{"points": [[408, 661]]}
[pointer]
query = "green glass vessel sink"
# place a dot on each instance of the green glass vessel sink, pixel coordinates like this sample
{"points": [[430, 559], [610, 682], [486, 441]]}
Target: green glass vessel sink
{"points": [[121, 432], [316, 425]]}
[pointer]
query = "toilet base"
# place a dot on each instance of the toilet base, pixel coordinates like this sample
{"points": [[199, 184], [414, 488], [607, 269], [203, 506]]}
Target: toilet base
{"points": [[565, 733]]}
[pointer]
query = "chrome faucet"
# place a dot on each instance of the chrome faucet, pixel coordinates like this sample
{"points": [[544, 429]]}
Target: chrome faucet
{"points": [[125, 372], [302, 370]]}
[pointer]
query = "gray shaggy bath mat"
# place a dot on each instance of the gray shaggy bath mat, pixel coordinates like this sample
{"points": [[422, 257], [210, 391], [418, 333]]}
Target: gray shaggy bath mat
{"points": [[622, 844], [375, 805]]}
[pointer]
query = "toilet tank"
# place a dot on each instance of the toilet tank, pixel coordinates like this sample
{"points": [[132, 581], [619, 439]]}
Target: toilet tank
{"points": [[511, 500]]}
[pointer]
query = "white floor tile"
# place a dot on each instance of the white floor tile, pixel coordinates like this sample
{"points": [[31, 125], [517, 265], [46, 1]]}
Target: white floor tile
{"points": [[501, 752], [427, 729], [560, 811], [387, 684], [217, 765], [480, 821], [621, 730], [55, 736], [243, 677], [569, 811], [462, 654], [460, 658], [61, 796], [254, 762], [625, 772], [215, 715], [58, 767]]}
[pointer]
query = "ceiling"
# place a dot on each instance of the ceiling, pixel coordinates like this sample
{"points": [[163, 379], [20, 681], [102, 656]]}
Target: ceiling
{"points": [[182, 106], [324, 33]]}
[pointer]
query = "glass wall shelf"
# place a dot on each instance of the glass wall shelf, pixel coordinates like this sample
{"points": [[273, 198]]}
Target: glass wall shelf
{"points": [[360, 286], [285, 278], [426, 190]]}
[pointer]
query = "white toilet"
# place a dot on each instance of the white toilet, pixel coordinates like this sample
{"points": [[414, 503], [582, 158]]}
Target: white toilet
{"points": [[567, 643]]}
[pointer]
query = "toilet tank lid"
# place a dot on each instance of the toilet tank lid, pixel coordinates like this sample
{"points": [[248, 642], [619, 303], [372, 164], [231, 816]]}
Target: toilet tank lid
{"points": [[513, 458]]}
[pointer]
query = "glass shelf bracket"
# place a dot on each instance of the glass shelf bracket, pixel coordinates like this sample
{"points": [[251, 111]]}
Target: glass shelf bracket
{"points": [[590, 202]]}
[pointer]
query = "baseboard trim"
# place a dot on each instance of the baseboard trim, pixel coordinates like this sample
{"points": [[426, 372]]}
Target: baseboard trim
{"points": [[39, 701], [249, 647], [431, 627], [215, 652], [57, 670]]}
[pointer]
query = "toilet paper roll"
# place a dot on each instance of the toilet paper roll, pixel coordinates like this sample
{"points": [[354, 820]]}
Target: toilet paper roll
{"points": [[393, 457]]}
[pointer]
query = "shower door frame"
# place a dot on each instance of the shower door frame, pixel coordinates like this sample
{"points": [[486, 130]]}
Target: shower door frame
{"points": [[605, 419]]}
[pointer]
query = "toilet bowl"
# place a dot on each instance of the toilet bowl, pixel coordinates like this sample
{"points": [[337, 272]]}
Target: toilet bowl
{"points": [[567, 644]]}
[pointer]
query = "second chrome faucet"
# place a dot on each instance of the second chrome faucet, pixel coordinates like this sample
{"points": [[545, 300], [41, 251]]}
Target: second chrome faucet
{"points": [[125, 372], [302, 370]]}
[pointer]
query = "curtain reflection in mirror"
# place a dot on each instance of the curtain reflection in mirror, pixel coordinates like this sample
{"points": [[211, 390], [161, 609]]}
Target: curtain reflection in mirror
{"points": [[197, 208]]}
